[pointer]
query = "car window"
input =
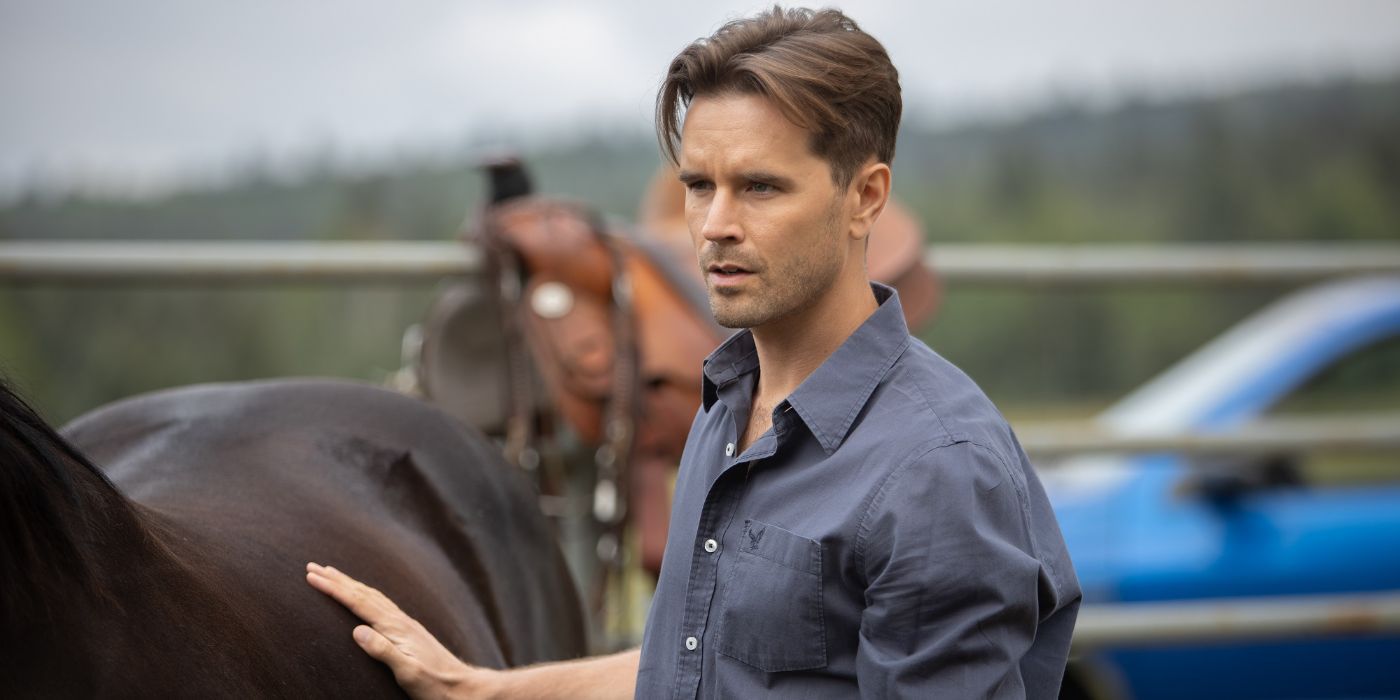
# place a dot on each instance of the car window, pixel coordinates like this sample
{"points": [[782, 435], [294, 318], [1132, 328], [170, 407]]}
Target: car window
{"points": [[1363, 382]]}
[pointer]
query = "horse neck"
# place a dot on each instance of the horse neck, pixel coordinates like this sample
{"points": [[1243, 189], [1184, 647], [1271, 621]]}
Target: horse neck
{"points": [[59, 512], [87, 581], [65, 535], [110, 597]]}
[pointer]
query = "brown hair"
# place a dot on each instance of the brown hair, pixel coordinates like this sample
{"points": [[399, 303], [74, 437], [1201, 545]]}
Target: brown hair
{"points": [[819, 69]]}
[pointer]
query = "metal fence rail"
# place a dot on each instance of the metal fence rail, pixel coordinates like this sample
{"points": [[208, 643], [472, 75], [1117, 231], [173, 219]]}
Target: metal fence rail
{"points": [[1151, 264], [1335, 433], [258, 262], [241, 262], [1231, 619]]}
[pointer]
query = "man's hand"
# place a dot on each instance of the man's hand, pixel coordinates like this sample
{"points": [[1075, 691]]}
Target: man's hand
{"points": [[427, 670], [422, 666]]}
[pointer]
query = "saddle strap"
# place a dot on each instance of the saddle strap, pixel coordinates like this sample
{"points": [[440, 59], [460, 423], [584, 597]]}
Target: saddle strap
{"points": [[614, 457], [504, 268], [574, 310]]}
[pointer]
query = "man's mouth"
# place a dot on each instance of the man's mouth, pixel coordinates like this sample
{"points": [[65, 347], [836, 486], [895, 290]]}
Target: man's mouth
{"points": [[727, 273], [727, 268]]}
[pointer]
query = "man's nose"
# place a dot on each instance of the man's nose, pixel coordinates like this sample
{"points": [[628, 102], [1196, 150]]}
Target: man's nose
{"points": [[721, 219]]}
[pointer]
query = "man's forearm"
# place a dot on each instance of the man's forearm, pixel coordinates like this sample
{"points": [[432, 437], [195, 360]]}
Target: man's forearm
{"points": [[612, 677]]}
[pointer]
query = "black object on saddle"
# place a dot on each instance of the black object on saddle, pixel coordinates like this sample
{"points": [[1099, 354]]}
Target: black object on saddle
{"points": [[508, 179]]}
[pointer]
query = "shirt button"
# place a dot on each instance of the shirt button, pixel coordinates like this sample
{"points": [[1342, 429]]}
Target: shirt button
{"points": [[691, 643], [711, 546], [729, 450]]}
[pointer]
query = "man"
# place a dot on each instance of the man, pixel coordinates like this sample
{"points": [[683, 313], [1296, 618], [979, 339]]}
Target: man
{"points": [[852, 516]]}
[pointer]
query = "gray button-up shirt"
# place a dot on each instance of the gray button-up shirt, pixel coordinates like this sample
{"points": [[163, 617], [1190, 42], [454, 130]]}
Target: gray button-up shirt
{"points": [[886, 538]]}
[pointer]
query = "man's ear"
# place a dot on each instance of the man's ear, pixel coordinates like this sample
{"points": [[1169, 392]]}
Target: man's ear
{"points": [[870, 188]]}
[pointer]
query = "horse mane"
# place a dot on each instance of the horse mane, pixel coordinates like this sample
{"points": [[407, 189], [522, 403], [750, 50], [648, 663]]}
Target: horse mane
{"points": [[50, 494]]}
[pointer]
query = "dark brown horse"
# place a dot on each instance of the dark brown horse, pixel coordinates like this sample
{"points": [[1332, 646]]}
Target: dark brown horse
{"points": [[176, 569]]}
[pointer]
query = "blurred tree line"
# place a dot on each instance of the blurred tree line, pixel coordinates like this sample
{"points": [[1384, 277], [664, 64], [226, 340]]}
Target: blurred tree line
{"points": [[1318, 162]]}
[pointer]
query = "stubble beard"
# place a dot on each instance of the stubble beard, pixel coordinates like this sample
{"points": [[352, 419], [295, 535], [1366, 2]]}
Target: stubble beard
{"points": [[784, 288]]}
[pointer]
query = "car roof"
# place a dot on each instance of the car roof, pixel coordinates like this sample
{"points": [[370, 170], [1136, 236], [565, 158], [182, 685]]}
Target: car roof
{"points": [[1244, 370]]}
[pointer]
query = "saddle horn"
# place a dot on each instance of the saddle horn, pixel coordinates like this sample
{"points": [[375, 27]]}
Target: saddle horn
{"points": [[508, 178]]}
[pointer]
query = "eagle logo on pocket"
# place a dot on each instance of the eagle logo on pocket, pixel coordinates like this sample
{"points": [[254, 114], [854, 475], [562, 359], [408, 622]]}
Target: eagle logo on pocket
{"points": [[755, 536]]}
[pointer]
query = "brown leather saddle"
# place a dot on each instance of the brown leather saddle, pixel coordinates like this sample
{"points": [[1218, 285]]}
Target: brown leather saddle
{"points": [[591, 330]]}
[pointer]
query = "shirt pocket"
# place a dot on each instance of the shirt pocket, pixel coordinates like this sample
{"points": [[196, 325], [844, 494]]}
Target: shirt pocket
{"points": [[770, 615]]}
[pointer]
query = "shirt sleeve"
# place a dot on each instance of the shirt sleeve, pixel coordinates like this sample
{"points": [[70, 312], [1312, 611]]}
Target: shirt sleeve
{"points": [[954, 588]]}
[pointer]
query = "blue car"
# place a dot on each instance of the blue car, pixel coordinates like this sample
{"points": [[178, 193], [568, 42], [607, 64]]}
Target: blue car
{"points": [[1159, 528]]}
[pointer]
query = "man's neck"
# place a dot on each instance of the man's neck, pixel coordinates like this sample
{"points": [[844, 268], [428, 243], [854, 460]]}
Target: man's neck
{"points": [[791, 348]]}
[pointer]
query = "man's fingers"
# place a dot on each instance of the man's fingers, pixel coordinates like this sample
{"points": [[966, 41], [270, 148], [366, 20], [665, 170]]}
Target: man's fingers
{"points": [[367, 603], [374, 643], [407, 670], [340, 591], [421, 664]]}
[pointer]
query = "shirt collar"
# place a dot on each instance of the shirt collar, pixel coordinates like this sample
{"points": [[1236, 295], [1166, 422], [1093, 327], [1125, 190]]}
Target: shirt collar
{"points": [[829, 399]]}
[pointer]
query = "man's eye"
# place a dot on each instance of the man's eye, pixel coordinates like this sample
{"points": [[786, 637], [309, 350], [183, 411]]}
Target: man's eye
{"points": [[762, 188], [697, 185]]}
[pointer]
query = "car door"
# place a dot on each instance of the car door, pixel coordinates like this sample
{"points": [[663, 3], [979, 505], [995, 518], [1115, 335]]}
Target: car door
{"points": [[1275, 525]]}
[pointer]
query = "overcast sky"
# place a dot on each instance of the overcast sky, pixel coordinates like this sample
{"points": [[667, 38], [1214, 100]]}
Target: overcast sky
{"points": [[135, 93]]}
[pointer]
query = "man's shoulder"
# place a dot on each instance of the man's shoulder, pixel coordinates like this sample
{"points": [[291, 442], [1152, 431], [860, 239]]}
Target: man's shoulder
{"points": [[939, 404]]}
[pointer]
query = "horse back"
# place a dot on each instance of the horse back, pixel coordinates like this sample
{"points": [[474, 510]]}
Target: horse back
{"points": [[249, 481]]}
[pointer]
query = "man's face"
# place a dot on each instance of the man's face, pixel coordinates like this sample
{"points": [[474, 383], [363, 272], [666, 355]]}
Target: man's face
{"points": [[768, 223]]}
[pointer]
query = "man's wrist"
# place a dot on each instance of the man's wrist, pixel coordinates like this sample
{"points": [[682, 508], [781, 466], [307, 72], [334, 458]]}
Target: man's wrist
{"points": [[480, 683]]}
